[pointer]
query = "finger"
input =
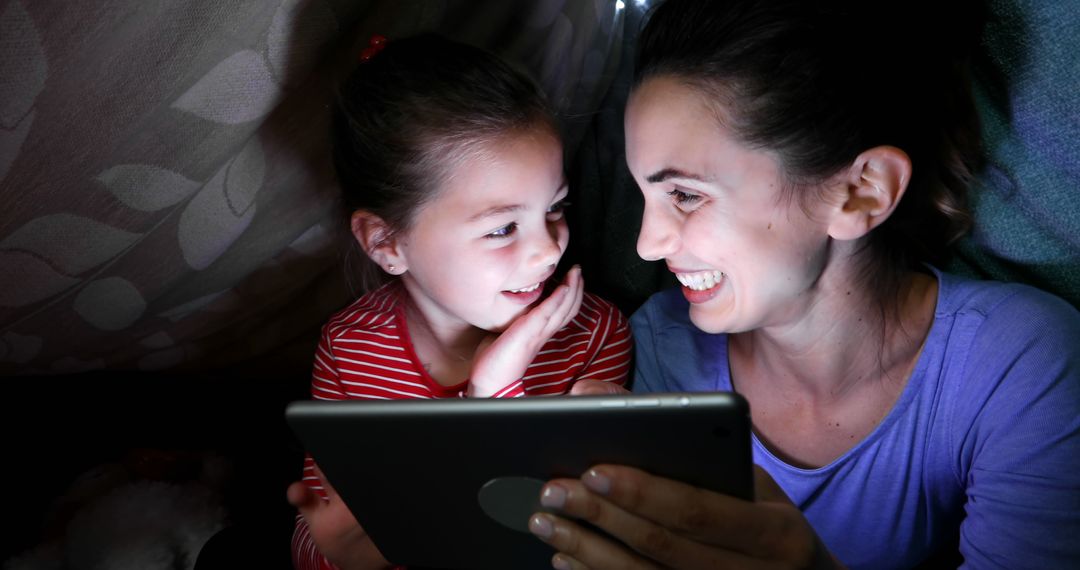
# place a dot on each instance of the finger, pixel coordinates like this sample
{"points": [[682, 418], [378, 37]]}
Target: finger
{"points": [[570, 305], [534, 324], [691, 511], [583, 548], [564, 562], [764, 530], [596, 387], [302, 497], [766, 489], [549, 306], [655, 541], [577, 289]]}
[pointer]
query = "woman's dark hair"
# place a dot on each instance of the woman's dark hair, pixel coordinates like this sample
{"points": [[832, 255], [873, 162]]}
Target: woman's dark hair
{"points": [[407, 116], [817, 82]]}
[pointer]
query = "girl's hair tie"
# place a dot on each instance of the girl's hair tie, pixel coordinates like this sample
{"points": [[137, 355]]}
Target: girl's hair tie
{"points": [[375, 45]]}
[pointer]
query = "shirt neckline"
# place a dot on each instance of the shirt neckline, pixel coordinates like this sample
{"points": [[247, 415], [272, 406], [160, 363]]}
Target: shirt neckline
{"points": [[410, 351], [907, 396]]}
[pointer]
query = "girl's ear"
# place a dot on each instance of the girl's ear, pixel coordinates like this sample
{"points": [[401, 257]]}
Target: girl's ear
{"points": [[378, 241], [870, 191]]}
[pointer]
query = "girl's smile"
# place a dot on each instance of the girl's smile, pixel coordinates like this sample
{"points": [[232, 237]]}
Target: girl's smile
{"points": [[480, 252]]}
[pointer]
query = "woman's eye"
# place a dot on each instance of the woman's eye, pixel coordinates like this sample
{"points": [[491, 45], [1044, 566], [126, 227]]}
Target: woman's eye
{"points": [[503, 232], [682, 198], [556, 211]]}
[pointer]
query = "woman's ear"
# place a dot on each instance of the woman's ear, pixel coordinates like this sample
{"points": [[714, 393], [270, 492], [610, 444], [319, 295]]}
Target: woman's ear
{"points": [[870, 191], [378, 241]]}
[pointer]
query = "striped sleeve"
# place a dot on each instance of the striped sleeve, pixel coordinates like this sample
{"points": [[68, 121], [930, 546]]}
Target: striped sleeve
{"points": [[305, 555], [325, 385], [515, 389], [611, 339], [595, 345], [345, 343]]}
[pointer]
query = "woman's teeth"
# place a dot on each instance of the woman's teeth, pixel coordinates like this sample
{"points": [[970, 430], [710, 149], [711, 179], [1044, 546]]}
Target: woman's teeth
{"points": [[529, 289], [700, 281]]}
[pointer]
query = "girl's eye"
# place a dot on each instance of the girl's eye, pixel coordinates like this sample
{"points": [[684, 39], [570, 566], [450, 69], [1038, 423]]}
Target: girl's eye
{"points": [[556, 211], [682, 198], [503, 232]]}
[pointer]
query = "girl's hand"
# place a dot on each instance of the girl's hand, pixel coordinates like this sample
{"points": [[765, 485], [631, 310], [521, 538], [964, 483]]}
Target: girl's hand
{"points": [[667, 524], [596, 388], [334, 529], [503, 358]]}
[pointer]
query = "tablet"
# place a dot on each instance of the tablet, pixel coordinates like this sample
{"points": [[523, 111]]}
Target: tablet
{"points": [[451, 483]]}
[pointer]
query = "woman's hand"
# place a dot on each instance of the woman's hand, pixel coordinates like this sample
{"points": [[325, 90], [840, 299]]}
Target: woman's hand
{"points": [[503, 358], [667, 524], [334, 529]]}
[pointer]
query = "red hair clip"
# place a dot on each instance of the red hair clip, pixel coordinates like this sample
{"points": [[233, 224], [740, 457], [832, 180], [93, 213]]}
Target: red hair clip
{"points": [[375, 45]]}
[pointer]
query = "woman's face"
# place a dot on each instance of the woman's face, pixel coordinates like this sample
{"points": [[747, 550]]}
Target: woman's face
{"points": [[747, 256]]}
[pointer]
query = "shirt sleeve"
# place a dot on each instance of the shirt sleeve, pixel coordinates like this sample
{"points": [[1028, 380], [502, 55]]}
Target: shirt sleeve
{"points": [[325, 383], [515, 389], [305, 555], [1018, 437], [614, 347], [324, 386]]}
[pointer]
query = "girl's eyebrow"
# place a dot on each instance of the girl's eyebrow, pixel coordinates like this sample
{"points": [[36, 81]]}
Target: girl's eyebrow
{"points": [[506, 208], [495, 211]]}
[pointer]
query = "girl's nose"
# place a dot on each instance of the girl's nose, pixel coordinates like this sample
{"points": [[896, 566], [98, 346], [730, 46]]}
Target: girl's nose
{"points": [[547, 250]]}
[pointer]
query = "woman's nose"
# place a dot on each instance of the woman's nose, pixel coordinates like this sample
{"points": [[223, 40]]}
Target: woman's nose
{"points": [[659, 236]]}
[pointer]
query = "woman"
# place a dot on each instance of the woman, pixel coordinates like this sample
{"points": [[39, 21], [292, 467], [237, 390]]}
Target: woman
{"points": [[803, 174]]}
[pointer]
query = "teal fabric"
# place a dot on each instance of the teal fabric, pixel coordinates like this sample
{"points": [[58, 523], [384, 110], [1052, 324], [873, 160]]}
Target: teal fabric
{"points": [[1027, 86], [1026, 200]]}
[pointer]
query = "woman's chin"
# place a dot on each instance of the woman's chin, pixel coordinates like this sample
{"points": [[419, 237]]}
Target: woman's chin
{"points": [[709, 321]]}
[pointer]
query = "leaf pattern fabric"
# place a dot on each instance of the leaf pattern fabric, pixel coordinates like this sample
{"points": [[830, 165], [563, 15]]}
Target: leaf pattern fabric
{"points": [[166, 192], [167, 201]]}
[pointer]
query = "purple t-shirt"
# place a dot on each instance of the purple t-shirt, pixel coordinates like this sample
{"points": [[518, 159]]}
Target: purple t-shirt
{"points": [[982, 448]]}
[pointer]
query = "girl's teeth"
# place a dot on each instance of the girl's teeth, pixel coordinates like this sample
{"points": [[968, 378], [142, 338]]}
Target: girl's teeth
{"points": [[700, 281], [526, 290]]}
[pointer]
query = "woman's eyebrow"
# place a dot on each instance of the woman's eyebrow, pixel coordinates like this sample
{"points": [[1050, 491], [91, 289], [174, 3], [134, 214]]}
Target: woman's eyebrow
{"points": [[669, 173]]}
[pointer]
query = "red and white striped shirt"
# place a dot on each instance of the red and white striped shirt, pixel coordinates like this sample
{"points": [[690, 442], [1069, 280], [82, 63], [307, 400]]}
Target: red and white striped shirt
{"points": [[365, 353]]}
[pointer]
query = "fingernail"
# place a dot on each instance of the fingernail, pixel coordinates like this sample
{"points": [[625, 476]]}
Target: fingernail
{"points": [[553, 497], [559, 562], [541, 526], [596, 481]]}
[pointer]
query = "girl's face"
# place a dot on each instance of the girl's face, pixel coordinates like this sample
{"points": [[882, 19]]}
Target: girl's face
{"points": [[746, 256], [479, 253]]}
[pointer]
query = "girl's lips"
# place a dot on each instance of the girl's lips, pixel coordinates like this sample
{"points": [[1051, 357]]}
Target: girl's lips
{"points": [[531, 296], [525, 298]]}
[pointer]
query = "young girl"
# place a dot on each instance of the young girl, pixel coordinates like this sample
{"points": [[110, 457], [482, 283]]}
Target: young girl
{"points": [[450, 163], [804, 169]]}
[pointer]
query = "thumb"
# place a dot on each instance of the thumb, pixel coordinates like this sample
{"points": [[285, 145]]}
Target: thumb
{"points": [[766, 489], [596, 387], [302, 497]]}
